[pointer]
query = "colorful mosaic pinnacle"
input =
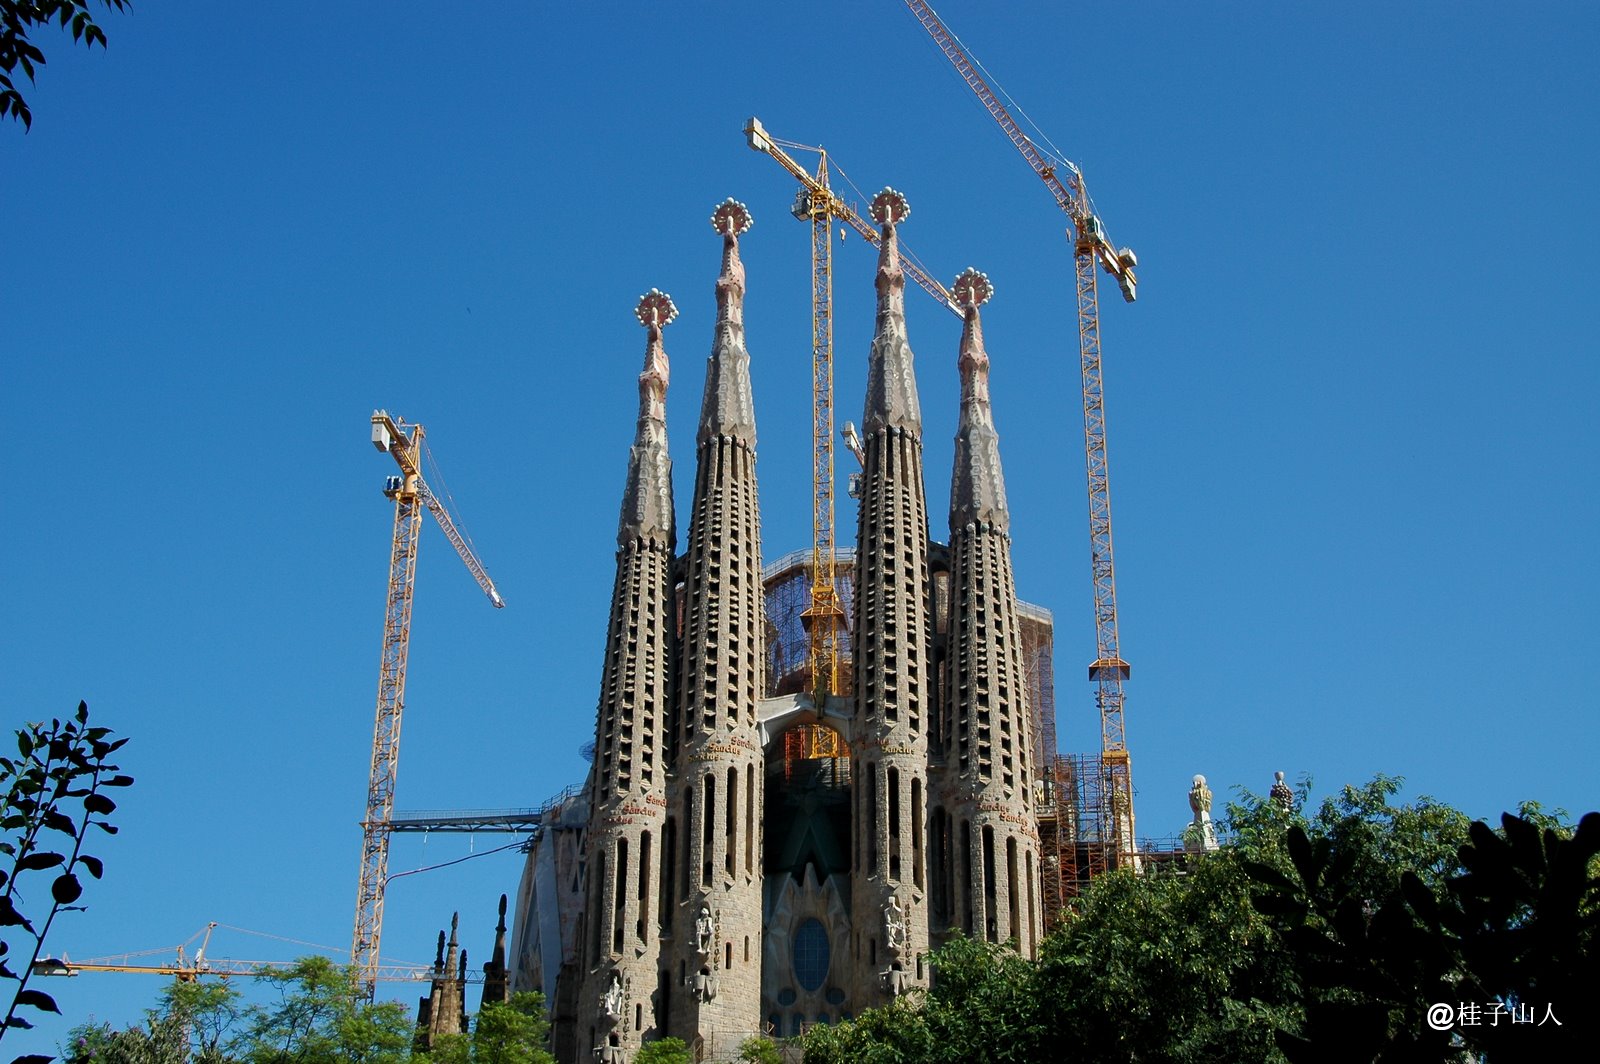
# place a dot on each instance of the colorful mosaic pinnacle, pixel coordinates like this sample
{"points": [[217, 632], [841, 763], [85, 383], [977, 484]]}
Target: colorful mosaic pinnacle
{"points": [[972, 288], [889, 207], [655, 308], [732, 217]]}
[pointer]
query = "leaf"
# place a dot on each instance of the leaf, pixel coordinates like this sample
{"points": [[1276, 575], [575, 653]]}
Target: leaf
{"points": [[38, 999], [99, 803], [93, 864], [103, 826], [18, 1021], [10, 917], [33, 1058], [1304, 856], [118, 781], [41, 859], [56, 820], [66, 889]]}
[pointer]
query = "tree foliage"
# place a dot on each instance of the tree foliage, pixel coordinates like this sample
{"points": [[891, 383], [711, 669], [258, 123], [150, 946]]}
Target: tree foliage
{"points": [[54, 791], [1320, 935], [759, 1050], [1508, 942], [20, 17], [510, 1033], [664, 1051], [320, 1016]]}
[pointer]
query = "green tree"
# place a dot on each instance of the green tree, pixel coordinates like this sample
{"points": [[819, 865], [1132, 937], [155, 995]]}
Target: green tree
{"points": [[195, 1024], [20, 17], [162, 1040], [983, 1004], [513, 1032], [1514, 928], [760, 1051], [321, 1017], [1313, 935], [1165, 966], [664, 1051], [54, 791]]}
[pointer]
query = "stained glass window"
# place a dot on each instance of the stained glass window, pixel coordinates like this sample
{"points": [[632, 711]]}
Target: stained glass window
{"points": [[811, 954]]}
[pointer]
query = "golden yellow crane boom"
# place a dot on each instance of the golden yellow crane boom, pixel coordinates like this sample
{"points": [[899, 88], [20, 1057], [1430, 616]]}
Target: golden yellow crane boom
{"points": [[818, 204], [1090, 245], [411, 496], [187, 969]]}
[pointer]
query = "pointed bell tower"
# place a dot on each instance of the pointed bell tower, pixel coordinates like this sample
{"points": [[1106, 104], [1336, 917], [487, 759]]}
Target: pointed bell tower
{"points": [[893, 688], [712, 963], [620, 950], [992, 841]]}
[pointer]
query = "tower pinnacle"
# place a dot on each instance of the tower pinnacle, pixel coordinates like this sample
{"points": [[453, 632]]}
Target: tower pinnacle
{"points": [[647, 498], [727, 409], [891, 383], [977, 486]]}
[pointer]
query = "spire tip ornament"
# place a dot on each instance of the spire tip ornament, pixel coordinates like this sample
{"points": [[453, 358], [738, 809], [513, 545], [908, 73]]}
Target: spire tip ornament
{"points": [[655, 308], [731, 218], [972, 288], [889, 207]]}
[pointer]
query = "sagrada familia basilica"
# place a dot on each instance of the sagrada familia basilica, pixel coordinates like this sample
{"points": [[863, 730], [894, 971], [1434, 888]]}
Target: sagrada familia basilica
{"points": [[741, 859]]}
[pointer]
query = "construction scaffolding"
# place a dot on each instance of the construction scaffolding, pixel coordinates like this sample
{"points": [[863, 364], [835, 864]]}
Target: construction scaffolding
{"points": [[788, 585]]}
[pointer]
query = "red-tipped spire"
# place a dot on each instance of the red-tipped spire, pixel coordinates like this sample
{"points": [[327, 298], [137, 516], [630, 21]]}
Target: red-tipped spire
{"points": [[647, 498], [891, 383], [655, 312], [977, 486], [727, 408]]}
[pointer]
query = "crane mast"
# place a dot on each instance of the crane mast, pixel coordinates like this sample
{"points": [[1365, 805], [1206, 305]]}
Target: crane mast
{"points": [[1090, 246], [411, 496], [817, 203], [824, 615]]}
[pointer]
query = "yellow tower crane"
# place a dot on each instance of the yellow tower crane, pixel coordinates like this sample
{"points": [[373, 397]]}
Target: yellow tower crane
{"points": [[1090, 246], [188, 969], [411, 496], [818, 204]]}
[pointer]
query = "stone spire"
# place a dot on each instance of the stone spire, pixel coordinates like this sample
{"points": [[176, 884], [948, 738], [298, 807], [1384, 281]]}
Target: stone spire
{"points": [[495, 986], [647, 499], [444, 1010], [727, 409], [893, 688], [986, 821], [712, 974], [977, 487], [620, 945], [891, 385]]}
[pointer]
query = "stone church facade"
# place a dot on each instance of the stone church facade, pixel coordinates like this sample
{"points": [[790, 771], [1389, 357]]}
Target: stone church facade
{"points": [[742, 860]]}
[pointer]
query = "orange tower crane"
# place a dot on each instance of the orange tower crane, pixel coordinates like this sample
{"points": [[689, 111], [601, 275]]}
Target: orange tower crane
{"points": [[818, 204], [1090, 246], [411, 496]]}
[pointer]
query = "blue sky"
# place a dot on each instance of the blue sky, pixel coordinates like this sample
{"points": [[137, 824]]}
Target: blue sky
{"points": [[1352, 433]]}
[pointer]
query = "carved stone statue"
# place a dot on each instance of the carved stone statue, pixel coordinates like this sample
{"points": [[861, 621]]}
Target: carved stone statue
{"points": [[895, 980], [1281, 794], [609, 1053], [703, 984], [1200, 800], [611, 1004], [1200, 835], [894, 926], [705, 931]]}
